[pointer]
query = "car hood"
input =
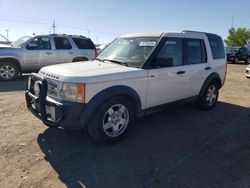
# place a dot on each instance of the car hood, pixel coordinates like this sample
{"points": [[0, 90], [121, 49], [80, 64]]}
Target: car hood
{"points": [[5, 51], [90, 71]]}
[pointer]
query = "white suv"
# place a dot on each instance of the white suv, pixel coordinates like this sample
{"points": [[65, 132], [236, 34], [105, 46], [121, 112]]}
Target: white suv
{"points": [[133, 75]]}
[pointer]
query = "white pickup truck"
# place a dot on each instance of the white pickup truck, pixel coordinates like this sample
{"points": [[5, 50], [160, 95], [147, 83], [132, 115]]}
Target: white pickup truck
{"points": [[131, 76]]}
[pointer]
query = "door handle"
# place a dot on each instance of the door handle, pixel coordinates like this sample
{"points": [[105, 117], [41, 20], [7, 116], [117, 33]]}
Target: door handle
{"points": [[181, 72], [70, 52], [207, 68], [49, 53]]}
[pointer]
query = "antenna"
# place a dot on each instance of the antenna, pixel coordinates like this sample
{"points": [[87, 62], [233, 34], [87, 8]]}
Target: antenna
{"points": [[7, 31]]}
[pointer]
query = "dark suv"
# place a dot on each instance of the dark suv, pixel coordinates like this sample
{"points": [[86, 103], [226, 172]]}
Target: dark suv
{"points": [[237, 54]]}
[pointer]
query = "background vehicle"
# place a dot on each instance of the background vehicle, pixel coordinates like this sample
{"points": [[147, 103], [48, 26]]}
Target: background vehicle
{"points": [[4, 42], [32, 53], [237, 54], [133, 75]]}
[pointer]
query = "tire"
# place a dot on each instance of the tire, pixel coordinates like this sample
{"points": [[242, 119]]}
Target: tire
{"points": [[8, 71], [236, 60], [77, 59], [112, 121], [247, 60], [210, 97]]}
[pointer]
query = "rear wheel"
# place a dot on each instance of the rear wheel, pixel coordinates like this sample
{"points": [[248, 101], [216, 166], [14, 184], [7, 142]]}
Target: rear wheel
{"points": [[236, 60], [112, 120], [8, 71], [210, 97], [247, 60], [77, 59]]}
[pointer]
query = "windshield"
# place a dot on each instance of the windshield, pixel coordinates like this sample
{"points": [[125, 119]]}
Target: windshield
{"points": [[131, 51], [20, 41]]}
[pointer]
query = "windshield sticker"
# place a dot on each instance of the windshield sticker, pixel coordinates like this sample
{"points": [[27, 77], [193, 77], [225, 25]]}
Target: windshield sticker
{"points": [[147, 43]]}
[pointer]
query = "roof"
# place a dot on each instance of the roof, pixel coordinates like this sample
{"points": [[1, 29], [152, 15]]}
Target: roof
{"points": [[159, 34], [61, 35], [142, 35]]}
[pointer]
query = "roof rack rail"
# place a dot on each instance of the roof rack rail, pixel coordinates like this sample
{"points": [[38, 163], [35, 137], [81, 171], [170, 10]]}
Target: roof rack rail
{"points": [[189, 31]]}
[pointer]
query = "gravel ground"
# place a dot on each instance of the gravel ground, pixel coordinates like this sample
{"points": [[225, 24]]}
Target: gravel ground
{"points": [[177, 147]]}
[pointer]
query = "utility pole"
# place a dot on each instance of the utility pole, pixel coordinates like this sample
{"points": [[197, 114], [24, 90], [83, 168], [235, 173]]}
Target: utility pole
{"points": [[54, 27], [87, 32], [7, 31], [232, 24]]}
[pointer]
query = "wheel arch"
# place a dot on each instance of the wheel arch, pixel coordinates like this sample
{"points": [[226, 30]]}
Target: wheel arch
{"points": [[80, 58], [212, 77], [11, 60], [107, 94]]}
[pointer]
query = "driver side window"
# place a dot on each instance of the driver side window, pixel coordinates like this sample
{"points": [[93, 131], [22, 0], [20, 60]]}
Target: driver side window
{"points": [[39, 43], [172, 49]]}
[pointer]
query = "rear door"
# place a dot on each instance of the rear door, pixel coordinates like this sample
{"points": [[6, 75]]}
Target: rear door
{"points": [[63, 51], [196, 65]]}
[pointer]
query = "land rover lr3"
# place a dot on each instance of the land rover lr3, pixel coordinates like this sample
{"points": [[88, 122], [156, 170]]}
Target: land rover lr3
{"points": [[133, 74]]}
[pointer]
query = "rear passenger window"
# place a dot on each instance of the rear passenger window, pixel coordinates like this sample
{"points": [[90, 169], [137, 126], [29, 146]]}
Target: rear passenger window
{"points": [[217, 46], [84, 43], [62, 43], [195, 51]]}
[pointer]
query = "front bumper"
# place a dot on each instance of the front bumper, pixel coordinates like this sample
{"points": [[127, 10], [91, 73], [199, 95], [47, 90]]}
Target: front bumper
{"points": [[50, 111]]}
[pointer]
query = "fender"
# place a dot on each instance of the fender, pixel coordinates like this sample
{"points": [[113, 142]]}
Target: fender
{"points": [[105, 94], [213, 76]]}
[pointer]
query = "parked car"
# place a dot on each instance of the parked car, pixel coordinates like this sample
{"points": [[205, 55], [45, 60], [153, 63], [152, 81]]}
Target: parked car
{"points": [[237, 54], [133, 75], [248, 71], [32, 53]]}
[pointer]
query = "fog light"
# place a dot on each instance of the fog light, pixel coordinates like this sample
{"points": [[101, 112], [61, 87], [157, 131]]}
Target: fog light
{"points": [[37, 88]]}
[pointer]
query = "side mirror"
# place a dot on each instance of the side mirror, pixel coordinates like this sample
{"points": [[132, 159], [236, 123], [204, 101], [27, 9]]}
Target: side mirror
{"points": [[164, 62]]}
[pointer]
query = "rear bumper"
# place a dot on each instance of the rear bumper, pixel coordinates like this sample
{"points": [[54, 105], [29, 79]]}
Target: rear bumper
{"points": [[50, 111]]}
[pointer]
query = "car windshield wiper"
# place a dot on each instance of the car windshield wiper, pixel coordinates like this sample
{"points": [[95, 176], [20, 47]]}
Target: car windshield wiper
{"points": [[98, 59], [115, 61]]}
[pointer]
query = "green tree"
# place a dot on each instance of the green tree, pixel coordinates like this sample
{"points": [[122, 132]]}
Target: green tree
{"points": [[238, 37]]}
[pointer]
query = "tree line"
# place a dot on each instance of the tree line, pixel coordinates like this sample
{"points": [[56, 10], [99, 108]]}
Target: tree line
{"points": [[238, 37]]}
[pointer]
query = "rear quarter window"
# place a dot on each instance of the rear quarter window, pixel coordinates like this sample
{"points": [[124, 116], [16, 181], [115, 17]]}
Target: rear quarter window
{"points": [[84, 43], [217, 46]]}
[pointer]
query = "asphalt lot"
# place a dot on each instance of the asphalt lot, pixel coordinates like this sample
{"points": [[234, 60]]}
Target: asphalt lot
{"points": [[177, 147]]}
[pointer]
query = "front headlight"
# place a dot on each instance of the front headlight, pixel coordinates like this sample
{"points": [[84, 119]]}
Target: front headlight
{"points": [[73, 92]]}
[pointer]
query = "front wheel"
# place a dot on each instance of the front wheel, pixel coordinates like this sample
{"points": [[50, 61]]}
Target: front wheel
{"points": [[8, 71], [112, 120], [210, 97]]}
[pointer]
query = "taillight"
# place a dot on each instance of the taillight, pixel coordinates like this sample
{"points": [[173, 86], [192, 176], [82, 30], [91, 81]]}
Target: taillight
{"points": [[96, 54]]}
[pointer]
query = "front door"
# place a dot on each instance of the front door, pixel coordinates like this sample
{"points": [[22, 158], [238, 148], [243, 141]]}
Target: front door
{"points": [[167, 84], [38, 53]]}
